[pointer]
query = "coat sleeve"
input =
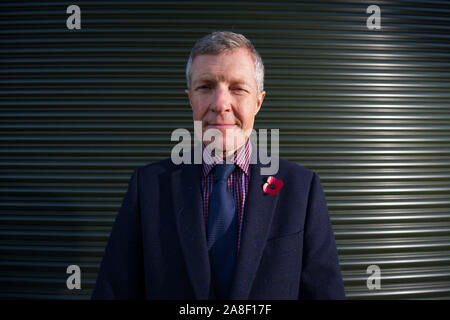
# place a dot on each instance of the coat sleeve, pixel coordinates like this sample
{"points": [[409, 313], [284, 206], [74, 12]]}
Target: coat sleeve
{"points": [[121, 270], [321, 275]]}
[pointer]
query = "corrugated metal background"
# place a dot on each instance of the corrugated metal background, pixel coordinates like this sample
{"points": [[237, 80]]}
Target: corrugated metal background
{"points": [[368, 110]]}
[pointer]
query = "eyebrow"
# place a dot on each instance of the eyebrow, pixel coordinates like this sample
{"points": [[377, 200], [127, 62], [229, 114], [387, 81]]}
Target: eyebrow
{"points": [[208, 79]]}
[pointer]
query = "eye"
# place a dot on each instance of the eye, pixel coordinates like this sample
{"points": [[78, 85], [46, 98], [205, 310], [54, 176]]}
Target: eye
{"points": [[203, 87], [238, 90]]}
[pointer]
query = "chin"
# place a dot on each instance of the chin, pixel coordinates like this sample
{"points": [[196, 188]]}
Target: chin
{"points": [[234, 144], [226, 145]]}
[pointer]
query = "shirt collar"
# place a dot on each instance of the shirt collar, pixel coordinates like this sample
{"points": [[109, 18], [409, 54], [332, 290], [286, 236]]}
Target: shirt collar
{"points": [[241, 158]]}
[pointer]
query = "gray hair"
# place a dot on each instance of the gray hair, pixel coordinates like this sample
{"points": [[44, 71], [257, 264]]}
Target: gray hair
{"points": [[220, 41]]}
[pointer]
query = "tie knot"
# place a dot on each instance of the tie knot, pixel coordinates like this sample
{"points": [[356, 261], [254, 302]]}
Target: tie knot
{"points": [[223, 171]]}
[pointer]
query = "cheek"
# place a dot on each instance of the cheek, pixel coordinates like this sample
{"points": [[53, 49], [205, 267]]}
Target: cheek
{"points": [[196, 114], [247, 114], [248, 123], [199, 109]]}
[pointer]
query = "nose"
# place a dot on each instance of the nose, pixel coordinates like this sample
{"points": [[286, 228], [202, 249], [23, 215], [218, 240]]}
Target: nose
{"points": [[221, 101]]}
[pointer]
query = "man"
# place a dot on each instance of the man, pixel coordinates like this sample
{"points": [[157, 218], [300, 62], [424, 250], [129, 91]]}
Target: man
{"points": [[221, 229]]}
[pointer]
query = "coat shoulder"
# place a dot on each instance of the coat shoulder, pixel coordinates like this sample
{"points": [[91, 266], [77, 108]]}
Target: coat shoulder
{"points": [[157, 168]]}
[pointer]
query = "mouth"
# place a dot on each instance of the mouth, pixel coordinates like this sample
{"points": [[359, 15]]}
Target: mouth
{"points": [[221, 125]]}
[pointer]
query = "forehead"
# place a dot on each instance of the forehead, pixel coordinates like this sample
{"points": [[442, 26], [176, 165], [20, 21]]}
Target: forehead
{"points": [[228, 65]]}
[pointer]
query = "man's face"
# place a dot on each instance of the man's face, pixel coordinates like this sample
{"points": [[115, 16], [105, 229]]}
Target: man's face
{"points": [[224, 96]]}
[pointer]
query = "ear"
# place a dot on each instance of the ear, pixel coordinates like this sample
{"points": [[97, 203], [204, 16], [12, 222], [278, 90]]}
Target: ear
{"points": [[188, 93], [259, 101]]}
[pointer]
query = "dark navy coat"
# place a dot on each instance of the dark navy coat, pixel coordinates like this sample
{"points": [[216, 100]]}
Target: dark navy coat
{"points": [[157, 248]]}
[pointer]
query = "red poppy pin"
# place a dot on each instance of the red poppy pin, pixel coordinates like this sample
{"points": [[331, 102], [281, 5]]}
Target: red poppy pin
{"points": [[272, 186]]}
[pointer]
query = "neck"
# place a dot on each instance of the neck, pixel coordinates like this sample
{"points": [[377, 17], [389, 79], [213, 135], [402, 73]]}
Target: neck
{"points": [[225, 155]]}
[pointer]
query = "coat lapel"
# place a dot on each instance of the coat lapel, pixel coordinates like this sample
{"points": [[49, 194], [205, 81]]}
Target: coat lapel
{"points": [[186, 192], [258, 213]]}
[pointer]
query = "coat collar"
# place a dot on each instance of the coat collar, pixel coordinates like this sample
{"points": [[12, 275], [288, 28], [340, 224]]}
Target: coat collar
{"points": [[258, 213]]}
